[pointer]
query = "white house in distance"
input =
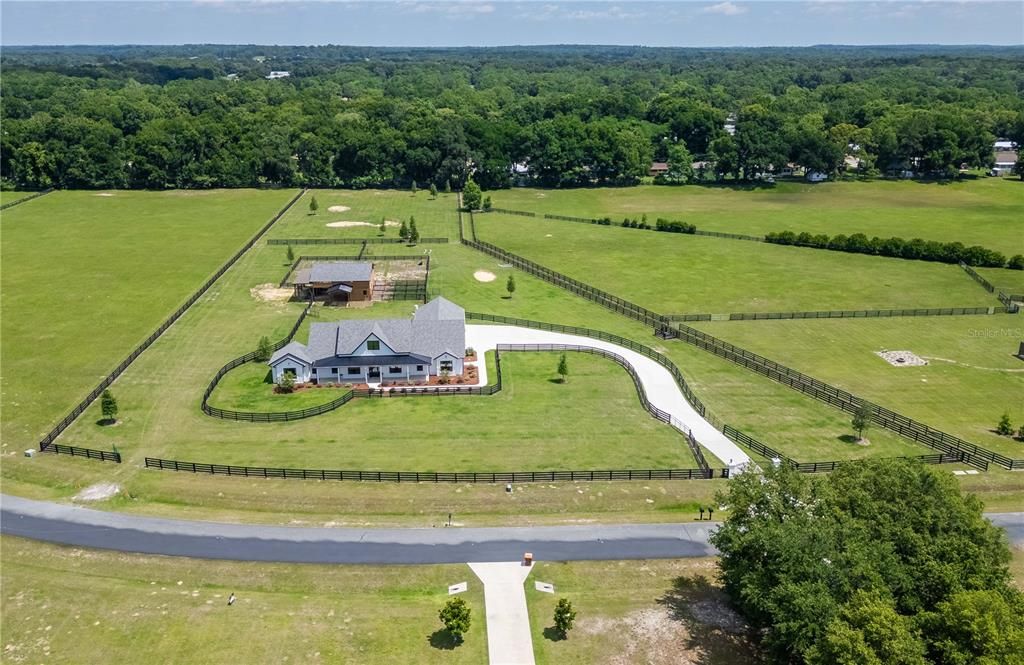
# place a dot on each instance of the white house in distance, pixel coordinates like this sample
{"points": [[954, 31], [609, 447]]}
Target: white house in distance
{"points": [[379, 350], [277, 75]]}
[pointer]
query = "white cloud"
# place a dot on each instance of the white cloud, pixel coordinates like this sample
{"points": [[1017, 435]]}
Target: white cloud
{"points": [[725, 9], [464, 7]]}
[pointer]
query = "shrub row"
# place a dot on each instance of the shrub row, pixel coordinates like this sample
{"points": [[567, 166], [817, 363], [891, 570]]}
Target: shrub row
{"points": [[915, 248], [665, 225]]}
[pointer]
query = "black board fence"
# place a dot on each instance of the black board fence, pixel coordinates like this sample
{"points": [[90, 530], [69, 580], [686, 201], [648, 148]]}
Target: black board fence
{"points": [[594, 220], [90, 453], [858, 314], [428, 476], [355, 241], [907, 427], [26, 199], [985, 284], [46, 444]]}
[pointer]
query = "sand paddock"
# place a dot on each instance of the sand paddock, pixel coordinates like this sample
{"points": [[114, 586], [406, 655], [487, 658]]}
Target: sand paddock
{"points": [[484, 276], [338, 209]]}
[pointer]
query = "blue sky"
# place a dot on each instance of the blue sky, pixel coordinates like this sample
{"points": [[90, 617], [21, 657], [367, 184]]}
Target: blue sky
{"points": [[494, 22]]}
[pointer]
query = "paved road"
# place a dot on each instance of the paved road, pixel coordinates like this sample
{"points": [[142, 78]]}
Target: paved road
{"points": [[73, 525]]}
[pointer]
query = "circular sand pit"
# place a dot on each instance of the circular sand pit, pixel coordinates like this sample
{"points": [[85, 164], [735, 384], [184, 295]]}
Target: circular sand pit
{"points": [[338, 209], [484, 276], [347, 224]]}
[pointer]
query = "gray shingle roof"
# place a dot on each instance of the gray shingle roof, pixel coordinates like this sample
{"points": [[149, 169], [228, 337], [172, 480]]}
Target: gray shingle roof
{"points": [[441, 329], [292, 349], [341, 271]]}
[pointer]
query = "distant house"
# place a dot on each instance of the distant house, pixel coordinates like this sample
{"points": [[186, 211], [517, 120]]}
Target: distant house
{"points": [[1005, 158], [278, 75], [658, 168], [379, 350], [339, 281], [816, 176]]}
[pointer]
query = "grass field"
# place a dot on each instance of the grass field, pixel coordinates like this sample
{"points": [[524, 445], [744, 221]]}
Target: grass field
{"points": [[1008, 281], [69, 605], [87, 276], [434, 217], [10, 197], [971, 379], [986, 211], [672, 273], [595, 421]]}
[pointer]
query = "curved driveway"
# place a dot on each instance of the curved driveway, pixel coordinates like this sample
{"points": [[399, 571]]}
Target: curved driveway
{"points": [[83, 527], [661, 388]]}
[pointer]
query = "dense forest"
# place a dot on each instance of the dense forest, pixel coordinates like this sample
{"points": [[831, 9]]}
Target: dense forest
{"points": [[208, 116]]}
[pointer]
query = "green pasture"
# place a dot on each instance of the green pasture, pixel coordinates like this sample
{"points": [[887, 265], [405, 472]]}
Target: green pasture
{"points": [[71, 605], [675, 273], [595, 421], [88, 275], [982, 211], [10, 197], [971, 379], [434, 217], [1008, 281]]}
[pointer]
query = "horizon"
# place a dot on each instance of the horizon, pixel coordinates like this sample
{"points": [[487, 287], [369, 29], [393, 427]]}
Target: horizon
{"points": [[484, 24]]}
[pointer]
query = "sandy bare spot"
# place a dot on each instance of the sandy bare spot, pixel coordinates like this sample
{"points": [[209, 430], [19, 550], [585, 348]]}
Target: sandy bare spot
{"points": [[270, 293], [338, 209], [98, 492], [547, 235], [103, 194], [347, 224], [901, 358], [484, 276]]}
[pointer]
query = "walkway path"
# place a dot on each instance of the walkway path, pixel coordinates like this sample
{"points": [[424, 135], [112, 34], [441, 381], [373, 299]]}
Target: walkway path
{"points": [[661, 388], [508, 622], [84, 527]]}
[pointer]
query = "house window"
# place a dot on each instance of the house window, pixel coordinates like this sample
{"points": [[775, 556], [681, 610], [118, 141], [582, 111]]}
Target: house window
{"points": [[446, 365], [334, 370], [289, 370], [373, 345], [419, 368], [394, 370], [354, 370]]}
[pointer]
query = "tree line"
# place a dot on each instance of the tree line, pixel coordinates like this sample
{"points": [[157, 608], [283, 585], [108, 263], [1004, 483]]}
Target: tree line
{"points": [[915, 248], [205, 116]]}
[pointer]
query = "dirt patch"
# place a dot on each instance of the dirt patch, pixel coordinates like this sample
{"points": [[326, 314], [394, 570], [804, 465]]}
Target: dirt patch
{"points": [[484, 276], [103, 194], [98, 492], [347, 224], [901, 358], [271, 293], [650, 636], [338, 209]]}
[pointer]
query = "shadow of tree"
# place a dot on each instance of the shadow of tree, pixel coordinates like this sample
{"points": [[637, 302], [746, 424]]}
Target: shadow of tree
{"points": [[443, 639], [553, 634], [716, 635], [847, 438]]}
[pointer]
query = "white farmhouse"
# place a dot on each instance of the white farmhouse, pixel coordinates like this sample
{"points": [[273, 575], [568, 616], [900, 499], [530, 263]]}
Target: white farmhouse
{"points": [[379, 350]]}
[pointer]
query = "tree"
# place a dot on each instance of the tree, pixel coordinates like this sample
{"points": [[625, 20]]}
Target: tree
{"points": [[563, 368], [290, 254], [414, 233], [314, 205], [108, 404], [1005, 427], [413, 188], [471, 196], [565, 615], [403, 231], [1016, 262], [510, 285], [487, 204], [680, 166], [1020, 433], [286, 383], [264, 349], [795, 550], [868, 631], [862, 419], [456, 617], [982, 626], [433, 191]]}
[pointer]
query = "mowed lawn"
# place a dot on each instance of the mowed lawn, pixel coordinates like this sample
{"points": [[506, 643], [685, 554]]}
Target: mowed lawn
{"points": [[434, 217], [984, 211], [88, 275], [81, 606], [972, 377], [10, 197], [674, 273]]}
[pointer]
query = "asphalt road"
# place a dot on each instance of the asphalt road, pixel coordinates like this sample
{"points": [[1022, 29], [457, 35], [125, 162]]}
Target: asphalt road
{"points": [[74, 525]]}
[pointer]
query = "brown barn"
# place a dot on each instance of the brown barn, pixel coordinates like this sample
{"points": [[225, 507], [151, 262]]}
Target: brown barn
{"points": [[658, 168], [337, 281]]}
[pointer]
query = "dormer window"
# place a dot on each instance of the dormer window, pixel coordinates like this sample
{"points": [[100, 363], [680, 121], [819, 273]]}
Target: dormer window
{"points": [[372, 345]]}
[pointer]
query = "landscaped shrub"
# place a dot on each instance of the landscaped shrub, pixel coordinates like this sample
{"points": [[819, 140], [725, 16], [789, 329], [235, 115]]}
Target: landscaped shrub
{"points": [[1016, 262], [669, 226], [915, 248]]}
